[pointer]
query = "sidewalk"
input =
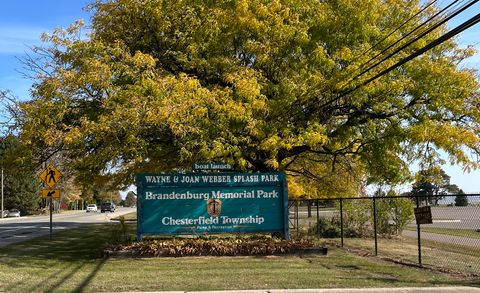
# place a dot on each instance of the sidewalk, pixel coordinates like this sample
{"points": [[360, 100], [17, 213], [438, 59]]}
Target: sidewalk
{"points": [[345, 290], [62, 212]]}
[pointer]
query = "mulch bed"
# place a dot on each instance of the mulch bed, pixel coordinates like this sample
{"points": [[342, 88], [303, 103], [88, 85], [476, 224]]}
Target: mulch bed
{"points": [[213, 247]]}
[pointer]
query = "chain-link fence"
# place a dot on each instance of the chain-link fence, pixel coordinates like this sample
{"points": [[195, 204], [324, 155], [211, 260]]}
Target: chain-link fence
{"points": [[447, 236]]}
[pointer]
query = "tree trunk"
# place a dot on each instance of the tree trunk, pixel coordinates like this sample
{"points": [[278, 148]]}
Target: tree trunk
{"points": [[309, 208]]}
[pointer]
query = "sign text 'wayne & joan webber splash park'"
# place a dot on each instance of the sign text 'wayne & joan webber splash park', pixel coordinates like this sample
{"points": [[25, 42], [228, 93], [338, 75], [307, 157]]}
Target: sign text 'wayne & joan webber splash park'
{"points": [[212, 203]]}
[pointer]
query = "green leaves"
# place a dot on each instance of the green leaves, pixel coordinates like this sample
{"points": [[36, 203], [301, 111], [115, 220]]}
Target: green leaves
{"points": [[257, 84], [21, 185]]}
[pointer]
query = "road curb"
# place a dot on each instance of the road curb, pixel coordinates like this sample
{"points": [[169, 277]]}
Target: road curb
{"points": [[461, 289]]}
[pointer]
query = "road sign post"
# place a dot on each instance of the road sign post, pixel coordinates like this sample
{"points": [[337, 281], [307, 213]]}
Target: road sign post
{"points": [[50, 176], [51, 218], [2, 195]]}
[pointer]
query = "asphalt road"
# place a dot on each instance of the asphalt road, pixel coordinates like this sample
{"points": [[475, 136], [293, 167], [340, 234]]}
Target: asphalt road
{"points": [[14, 230], [453, 218], [456, 217], [443, 217], [457, 240]]}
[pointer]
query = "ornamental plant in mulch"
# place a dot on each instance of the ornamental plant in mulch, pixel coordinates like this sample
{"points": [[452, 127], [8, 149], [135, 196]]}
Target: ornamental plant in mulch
{"points": [[210, 247]]}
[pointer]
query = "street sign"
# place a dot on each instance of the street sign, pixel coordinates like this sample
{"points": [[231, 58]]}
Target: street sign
{"points": [[50, 175], [423, 215], [51, 193]]}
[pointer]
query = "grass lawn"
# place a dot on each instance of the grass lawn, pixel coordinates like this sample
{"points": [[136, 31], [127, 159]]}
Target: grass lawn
{"points": [[72, 262], [460, 258], [128, 217], [448, 231]]}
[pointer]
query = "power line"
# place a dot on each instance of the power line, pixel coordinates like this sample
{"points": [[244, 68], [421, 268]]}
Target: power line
{"points": [[395, 30], [458, 11], [467, 24], [465, 6], [472, 21]]}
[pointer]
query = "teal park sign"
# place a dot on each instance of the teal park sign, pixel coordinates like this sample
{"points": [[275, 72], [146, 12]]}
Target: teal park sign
{"points": [[211, 203]]}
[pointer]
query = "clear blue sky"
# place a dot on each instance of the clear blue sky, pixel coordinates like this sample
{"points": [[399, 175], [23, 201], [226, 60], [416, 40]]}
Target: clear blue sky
{"points": [[22, 22]]}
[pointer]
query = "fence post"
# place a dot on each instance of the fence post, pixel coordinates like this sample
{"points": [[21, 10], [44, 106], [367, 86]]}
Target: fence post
{"points": [[318, 220], [418, 237], [375, 225], [341, 221], [296, 218]]}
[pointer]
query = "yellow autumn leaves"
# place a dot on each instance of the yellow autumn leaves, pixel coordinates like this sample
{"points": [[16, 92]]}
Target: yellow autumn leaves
{"points": [[160, 84]]}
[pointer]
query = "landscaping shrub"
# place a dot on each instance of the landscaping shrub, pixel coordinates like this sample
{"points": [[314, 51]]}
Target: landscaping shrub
{"points": [[400, 213], [214, 247], [120, 233], [393, 214], [357, 218], [326, 228], [461, 200]]}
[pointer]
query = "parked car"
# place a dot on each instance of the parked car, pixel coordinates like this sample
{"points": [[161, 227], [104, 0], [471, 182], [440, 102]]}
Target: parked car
{"points": [[13, 213], [5, 213], [92, 208], [107, 206]]}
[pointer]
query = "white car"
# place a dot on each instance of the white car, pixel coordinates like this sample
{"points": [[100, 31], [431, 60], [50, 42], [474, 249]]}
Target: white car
{"points": [[92, 208], [14, 213]]}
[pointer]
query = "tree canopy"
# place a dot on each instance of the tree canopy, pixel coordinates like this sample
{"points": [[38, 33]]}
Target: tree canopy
{"points": [[21, 187], [130, 199], [461, 200], [433, 184], [157, 85]]}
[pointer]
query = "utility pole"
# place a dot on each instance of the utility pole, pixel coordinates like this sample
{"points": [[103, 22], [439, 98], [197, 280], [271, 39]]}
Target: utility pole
{"points": [[2, 193]]}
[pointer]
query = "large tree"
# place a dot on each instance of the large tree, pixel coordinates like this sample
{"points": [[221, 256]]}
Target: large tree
{"points": [[130, 199], [433, 184], [21, 185], [461, 200], [264, 85]]}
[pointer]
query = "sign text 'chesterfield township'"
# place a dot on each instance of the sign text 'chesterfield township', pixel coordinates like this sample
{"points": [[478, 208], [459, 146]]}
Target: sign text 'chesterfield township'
{"points": [[211, 203]]}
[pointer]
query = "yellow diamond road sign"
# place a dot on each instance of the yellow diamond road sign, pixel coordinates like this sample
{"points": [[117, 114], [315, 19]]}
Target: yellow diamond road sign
{"points": [[51, 193], [50, 176]]}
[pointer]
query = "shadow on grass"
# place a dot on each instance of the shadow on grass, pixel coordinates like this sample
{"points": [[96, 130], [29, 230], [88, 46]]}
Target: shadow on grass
{"points": [[89, 278], [15, 286], [60, 260], [63, 279], [469, 283], [351, 267], [55, 276], [385, 280], [81, 244], [71, 271]]}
